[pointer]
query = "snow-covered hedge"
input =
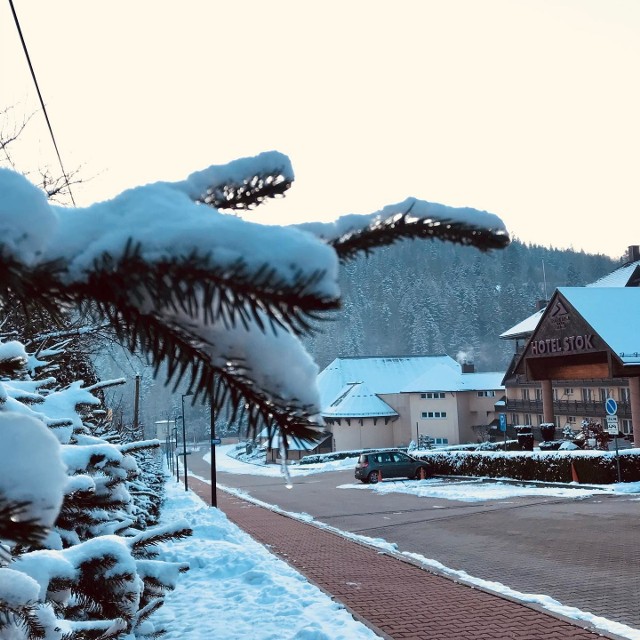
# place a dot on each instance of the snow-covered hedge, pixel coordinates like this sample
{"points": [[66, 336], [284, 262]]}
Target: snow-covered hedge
{"points": [[591, 467]]}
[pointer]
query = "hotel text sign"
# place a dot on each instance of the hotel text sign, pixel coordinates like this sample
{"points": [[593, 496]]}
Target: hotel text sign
{"points": [[568, 344]]}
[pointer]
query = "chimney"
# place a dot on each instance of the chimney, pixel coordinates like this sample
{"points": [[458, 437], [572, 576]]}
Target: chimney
{"points": [[468, 367], [633, 253], [541, 304]]}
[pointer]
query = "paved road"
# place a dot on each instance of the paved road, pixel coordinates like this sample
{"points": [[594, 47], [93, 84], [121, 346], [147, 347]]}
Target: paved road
{"points": [[580, 552]]}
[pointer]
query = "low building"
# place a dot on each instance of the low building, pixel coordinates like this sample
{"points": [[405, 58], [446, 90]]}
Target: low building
{"points": [[372, 402]]}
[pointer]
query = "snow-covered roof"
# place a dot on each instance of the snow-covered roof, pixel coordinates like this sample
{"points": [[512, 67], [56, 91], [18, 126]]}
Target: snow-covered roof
{"points": [[351, 386], [381, 374], [613, 312], [524, 328], [356, 400], [627, 275]]}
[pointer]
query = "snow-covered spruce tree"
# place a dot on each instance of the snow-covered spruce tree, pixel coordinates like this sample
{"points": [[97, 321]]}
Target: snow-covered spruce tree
{"points": [[77, 559]]}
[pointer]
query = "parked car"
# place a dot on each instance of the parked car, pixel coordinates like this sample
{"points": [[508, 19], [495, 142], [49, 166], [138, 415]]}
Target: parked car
{"points": [[377, 465]]}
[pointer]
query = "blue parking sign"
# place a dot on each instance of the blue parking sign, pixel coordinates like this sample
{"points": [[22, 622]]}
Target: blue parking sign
{"points": [[503, 421]]}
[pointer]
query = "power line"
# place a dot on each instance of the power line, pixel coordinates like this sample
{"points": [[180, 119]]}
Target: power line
{"points": [[44, 109]]}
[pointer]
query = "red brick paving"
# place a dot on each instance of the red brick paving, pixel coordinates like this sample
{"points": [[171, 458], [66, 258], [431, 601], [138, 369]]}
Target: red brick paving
{"points": [[396, 598]]}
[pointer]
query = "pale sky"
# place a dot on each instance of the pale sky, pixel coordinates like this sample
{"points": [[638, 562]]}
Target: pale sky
{"points": [[528, 109]]}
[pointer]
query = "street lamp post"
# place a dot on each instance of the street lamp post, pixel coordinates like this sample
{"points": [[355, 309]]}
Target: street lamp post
{"points": [[175, 433], [184, 443], [214, 497]]}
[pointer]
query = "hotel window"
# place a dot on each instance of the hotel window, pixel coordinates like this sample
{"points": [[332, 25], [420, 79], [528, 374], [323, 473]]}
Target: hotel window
{"points": [[434, 414], [538, 394], [540, 419], [486, 394], [555, 394], [587, 396], [624, 394], [442, 440], [434, 394], [515, 418], [571, 419], [626, 427], [525, 394], [527, 418], [568, 391]]}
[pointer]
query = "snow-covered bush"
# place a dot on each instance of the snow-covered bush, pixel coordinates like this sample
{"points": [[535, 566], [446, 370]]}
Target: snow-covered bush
{"points": [[597, 467], [77, 560]]}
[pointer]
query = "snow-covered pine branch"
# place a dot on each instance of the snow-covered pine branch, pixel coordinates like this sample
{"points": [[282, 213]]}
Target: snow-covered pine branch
{"points": [[219, 299], [412, 218]]}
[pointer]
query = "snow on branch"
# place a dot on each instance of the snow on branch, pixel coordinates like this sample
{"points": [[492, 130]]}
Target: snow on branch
{"points": [[411, 218], [242, 183]]}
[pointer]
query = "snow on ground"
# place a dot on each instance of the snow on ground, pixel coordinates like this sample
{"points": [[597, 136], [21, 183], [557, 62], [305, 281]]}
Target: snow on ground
{"points": [[234, 581], [235, 588]]}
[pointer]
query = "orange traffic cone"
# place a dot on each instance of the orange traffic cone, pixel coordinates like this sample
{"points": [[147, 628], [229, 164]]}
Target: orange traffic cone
{"points": [[574, 474]]}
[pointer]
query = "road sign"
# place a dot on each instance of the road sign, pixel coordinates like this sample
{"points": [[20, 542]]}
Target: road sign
{"points": [[216, 441], [611, 406], [503, 421], [612, 425]]}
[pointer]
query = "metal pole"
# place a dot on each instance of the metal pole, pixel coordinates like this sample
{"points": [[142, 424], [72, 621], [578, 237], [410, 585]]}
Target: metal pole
{"points": [[175, 429], [214, 497], [617, 459], [136, 406], [184, 446]]}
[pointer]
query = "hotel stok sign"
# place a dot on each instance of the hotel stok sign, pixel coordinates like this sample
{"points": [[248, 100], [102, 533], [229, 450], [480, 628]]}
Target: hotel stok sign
{"points": [[563, 346]]}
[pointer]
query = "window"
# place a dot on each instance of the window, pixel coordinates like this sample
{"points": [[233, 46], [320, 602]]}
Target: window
{"points": [[568, 391], [527, 418], [442, 440], [433, 395], [434, 414], [624, 394], [515, 418], [571, 419], [605, 393], [423, 395], [525, 394], [540, 419], [626, 427], [539, 394], [486, 394], [586, 395]]}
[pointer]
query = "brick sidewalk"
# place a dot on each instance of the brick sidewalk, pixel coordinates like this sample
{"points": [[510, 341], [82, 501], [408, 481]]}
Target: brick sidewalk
{"points": [[396, 598]]}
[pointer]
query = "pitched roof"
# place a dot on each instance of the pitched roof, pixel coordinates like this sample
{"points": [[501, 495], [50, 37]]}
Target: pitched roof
{"points": [[352, 386], [628, 275], [356, 400], [613, 312], [524, 328]]}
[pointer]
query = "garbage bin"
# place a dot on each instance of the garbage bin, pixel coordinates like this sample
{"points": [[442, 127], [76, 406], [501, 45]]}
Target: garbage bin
{"points": [[525, 438]]}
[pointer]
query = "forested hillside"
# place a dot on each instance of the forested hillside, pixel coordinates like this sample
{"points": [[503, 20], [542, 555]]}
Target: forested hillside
{"points": [[433, 298]]}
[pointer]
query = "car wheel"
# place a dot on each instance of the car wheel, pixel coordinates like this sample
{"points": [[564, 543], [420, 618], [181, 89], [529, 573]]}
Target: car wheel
{"points": [[374, 477]]}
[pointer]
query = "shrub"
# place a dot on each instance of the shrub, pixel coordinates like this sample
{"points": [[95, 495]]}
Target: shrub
{"points": [[591, 467]]}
